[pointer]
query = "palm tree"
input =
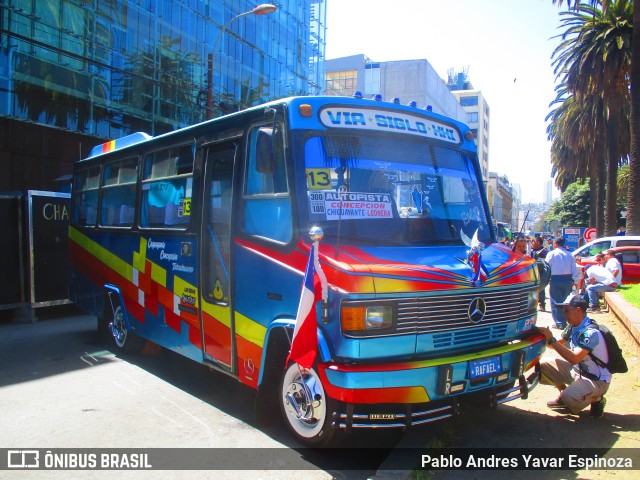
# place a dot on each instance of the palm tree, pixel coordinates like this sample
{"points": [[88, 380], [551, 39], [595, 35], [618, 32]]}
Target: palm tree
{"points": [[594, 58], [633, 183], [633, 188], [577, 140]]}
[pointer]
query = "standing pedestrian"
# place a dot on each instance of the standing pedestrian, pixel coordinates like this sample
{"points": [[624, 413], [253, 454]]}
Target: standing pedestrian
{"points": [[564, 274], [538, 251], [520, 245], [580, 380]]}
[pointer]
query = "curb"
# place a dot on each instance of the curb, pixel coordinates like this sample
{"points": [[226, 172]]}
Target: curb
{"points": [[626, 313]]}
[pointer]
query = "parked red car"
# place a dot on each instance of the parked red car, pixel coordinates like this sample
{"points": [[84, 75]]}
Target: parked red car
{"points": [[630, 263]]}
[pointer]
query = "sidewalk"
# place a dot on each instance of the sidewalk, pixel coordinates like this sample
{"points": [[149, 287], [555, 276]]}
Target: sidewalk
{"points": [[529, 424], [628, 315]]}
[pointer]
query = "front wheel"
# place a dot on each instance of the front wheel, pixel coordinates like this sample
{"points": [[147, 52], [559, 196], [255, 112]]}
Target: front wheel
{"points": [[305, 407]]}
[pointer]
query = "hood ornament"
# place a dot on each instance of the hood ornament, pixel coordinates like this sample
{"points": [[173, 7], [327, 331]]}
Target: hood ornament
{"points": [[474, 257]]}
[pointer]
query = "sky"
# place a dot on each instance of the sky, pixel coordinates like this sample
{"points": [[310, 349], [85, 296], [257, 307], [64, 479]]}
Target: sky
{"points": [[506, 45]]}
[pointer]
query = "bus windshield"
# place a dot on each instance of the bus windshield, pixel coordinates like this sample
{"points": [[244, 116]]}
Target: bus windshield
{"points": [[378, 190]]}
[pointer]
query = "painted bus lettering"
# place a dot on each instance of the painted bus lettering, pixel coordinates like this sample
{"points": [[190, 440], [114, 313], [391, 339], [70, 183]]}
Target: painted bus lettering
{"points": [[398, 123], [443, 132], [350, 118]]}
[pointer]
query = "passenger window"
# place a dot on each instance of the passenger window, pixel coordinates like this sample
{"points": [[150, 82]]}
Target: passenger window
{"points": [[599, 247], [628, 243], [167, 188], [119, 193], [85, 206], [267, 204]]}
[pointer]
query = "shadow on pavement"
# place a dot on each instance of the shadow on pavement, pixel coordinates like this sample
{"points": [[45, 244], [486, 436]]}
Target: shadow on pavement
{"points": [[62, 340]]}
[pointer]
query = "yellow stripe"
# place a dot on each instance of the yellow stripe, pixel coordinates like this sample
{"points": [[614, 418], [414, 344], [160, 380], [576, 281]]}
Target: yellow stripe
{"points": [[474, 356], [245, 327], [159, 275], [140, 257], [220, 313], [250, 330], [105, 256]]}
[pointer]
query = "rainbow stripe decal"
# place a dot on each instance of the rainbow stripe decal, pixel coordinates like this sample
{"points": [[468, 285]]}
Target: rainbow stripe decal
{"points": [[159, 286]]}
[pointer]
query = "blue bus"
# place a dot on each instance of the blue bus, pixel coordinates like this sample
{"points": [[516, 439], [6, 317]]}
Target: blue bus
{"points": [[197, 240]]}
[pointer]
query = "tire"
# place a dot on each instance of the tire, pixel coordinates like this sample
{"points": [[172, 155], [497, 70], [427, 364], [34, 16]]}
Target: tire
{"points": [[123, 339], [306, 409]]}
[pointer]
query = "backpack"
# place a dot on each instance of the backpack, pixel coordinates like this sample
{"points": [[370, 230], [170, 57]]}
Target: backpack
{"points": [[617, 363], [544, 272]]}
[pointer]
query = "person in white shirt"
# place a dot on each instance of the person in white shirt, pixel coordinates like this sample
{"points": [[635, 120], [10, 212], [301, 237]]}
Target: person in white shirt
{"points": [[613, 265], [599, 280], [564, 275]]}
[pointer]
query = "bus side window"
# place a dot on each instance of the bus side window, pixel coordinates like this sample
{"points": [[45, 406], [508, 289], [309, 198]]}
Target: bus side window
{"points": [[267, 205], [167, 185], [85, 203], [119, 193]]}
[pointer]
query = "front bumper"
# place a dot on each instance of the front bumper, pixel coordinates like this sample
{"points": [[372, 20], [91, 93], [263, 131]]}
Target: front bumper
{"points": [[414, 393], [414, 415]]}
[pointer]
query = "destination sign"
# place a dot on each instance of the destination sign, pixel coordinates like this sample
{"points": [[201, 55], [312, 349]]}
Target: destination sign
{"points": [[387, 121]]}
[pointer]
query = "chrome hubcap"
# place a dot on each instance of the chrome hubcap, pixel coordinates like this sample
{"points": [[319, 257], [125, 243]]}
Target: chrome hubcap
{"points": [[304, 400], [118, 327]]}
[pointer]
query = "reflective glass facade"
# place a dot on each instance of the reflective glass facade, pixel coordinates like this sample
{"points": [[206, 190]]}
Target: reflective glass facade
{"points": [[111, 67]]}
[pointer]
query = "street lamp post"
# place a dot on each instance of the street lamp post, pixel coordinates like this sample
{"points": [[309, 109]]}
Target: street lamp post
{"points": [[205, 96]]}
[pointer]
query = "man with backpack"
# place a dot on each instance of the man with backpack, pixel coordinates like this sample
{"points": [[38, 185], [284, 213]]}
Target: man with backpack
{"points": [[580, 374]]}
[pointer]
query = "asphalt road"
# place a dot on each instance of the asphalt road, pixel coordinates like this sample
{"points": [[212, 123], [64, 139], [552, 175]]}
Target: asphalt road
{"points": [[61, 388]]}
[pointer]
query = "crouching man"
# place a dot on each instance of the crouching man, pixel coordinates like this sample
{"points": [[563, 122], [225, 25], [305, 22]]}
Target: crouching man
{"points": [[576, 375]]}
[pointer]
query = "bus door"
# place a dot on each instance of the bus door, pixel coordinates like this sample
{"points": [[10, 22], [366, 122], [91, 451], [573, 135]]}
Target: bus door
{"points": [[216, 311]]}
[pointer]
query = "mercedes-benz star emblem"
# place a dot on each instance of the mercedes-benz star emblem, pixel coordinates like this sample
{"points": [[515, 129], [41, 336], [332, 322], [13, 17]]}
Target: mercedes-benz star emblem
{"points": [[477, 309]]}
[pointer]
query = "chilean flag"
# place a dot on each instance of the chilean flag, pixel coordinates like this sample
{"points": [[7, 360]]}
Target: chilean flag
{"points": [[305, 335]]}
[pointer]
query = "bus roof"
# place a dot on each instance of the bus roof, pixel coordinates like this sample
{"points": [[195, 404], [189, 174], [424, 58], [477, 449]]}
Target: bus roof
{"points": [[316, 103], [119, 143]]}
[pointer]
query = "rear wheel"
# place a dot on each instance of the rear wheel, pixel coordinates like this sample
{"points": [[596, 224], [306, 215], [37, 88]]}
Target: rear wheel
{"points": [[305, 407], [123, 339]]}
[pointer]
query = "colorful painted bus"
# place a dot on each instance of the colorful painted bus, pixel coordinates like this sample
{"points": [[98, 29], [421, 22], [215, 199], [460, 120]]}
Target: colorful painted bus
{"points": [[197, 240]]}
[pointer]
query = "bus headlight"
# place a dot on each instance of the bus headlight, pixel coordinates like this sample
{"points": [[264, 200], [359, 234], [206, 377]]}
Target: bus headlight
{"points": [[361, 318]]}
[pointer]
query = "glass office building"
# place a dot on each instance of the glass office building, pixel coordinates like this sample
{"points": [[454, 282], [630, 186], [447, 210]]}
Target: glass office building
{"points": [[107, 68]]}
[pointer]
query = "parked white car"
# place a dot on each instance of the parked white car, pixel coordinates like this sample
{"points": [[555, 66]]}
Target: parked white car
{"points": [[599, 245]]}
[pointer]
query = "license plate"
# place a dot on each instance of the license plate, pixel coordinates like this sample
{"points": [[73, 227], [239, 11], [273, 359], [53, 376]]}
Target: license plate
{"points": [[484, 367]]}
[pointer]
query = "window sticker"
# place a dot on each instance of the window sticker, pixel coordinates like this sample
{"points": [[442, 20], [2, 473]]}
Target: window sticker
{"points": [[318, 178], [334, 205], [186, 207]]}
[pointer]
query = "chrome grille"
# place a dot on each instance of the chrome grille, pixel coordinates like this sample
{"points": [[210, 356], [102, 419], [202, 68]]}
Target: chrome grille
{"points": [[469, 336], [447, 313]]}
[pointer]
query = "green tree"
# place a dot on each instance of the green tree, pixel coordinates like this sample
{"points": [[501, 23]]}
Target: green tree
{"points": [[593, 59], [623, 183], [572, 209], [577, 142], [633, 185]]}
